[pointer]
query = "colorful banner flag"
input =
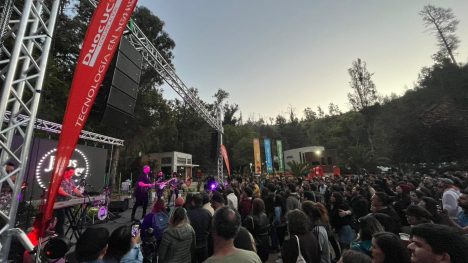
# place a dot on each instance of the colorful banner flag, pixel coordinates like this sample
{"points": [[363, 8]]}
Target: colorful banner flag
{"points": [[279, 150], [257, 158], [268, 160], [101, 40], [223, 150]]}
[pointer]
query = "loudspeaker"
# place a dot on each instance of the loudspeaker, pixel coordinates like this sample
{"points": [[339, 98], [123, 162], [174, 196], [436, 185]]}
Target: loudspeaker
{"points": [[118, 94], [118, 206], [116, 118]]}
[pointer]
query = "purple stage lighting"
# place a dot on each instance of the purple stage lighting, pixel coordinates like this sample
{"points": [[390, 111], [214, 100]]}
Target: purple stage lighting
{"points": [[213, 186]]}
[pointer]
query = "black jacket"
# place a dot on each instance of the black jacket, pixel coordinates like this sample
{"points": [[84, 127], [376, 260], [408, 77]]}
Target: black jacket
{"points": [[309, 249], [200, 219]]}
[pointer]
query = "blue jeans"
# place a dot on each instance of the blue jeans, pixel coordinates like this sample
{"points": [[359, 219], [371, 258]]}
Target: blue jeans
{"points": [[346, 235]]}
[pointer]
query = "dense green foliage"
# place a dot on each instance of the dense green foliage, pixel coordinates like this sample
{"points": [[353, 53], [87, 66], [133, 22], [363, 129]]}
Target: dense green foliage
{"points": [[427, 124]]}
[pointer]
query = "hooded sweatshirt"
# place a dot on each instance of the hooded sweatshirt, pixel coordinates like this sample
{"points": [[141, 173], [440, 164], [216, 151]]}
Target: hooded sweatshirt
{"points": [[178, 245]]}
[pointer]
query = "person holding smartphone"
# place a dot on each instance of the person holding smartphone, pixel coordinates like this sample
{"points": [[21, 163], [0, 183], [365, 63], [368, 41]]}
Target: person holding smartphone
{"points": [[124, 245]]}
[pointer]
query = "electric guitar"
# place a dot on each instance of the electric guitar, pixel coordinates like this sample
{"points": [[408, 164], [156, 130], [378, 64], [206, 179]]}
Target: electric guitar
{"points": [[163, 184]]}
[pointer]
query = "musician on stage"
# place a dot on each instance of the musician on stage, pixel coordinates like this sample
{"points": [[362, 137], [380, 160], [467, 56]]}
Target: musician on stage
{"points": [[66, 191], [142, 187], [160, 184], [175, 186]]}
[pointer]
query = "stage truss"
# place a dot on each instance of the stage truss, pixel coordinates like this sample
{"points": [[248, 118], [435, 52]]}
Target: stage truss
{"points": [[154, 59], [25, 43], [25, 38]]}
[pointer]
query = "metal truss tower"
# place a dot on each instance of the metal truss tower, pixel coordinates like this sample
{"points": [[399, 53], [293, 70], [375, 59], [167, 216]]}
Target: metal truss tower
{"points": [[154, 59], [26, 38]]}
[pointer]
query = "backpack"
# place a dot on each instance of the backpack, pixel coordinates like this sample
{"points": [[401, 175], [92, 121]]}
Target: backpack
{"points": [[332, 243], [160, 223], [300, 258], [316, 231]]}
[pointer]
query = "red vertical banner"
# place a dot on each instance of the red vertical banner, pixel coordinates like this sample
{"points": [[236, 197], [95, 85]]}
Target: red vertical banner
{"points": [[226, 159], [101, 40]]}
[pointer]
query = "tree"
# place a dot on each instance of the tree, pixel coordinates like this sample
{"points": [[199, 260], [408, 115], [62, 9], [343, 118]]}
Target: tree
{"points": [[152, 26], [363, 95], [443, 24], [220, 96], [292, 115], [310, 114], [333, 109], [320, 112], [297, 169], [229, 112], [280, 120]]}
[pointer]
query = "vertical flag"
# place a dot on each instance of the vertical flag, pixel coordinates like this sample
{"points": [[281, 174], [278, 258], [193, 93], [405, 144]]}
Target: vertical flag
{"points": [[268, 160], [223, 150], [101, 40], [279, 149], [257, 158]]}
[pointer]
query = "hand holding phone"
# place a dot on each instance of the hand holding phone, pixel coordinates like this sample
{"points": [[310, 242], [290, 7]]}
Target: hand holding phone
{"points": [[135, 230]]}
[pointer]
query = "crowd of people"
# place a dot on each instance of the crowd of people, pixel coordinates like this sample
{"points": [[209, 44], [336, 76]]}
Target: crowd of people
{"points": [[354, 218]]}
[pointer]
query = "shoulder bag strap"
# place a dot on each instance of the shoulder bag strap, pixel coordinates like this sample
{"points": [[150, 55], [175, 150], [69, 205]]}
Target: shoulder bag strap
{"points": [[298, 246]]}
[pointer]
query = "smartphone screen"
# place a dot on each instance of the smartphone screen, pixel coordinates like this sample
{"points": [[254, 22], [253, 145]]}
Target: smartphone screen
{"points": [[135, 230]]}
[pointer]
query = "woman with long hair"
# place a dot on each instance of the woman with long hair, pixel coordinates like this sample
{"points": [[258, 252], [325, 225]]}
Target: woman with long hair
{"points": [[341, 219], [368, 226], [178, 242], [318, 229], [388, 248], [124, 246], [258, 225], [300, 238], [325, 219]]}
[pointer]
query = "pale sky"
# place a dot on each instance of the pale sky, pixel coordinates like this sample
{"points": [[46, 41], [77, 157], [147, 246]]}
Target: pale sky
{"points": [[273, 54]]}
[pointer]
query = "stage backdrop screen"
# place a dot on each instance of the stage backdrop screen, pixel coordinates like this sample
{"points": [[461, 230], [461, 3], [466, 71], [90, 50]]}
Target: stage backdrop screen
{"points": [[89, 163]]}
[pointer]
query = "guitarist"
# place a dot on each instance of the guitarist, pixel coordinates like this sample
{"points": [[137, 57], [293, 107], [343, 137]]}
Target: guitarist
{"points": [[160, 184], [175, 186]]}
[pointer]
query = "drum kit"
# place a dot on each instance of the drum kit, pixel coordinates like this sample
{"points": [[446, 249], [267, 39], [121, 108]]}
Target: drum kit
{"points": [[98, 208]]}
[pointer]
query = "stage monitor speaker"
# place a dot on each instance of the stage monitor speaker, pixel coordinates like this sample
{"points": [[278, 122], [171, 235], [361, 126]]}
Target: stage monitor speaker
{"points": [[118, 206], [117, 98]]}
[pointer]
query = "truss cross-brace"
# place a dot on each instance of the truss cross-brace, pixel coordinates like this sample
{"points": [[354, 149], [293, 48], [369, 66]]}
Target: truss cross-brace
{"points": [[25, 40], [26, 37], [154, 59]]}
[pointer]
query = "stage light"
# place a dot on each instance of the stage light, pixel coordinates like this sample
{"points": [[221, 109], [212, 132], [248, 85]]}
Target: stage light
{"points": [[213, 186], [56, 248]]}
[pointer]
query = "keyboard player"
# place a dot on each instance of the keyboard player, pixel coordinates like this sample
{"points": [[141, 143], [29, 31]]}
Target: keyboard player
{"points": [[66, 191]]}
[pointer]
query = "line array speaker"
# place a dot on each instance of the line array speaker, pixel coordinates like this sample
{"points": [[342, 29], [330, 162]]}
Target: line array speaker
{"points": [[118, 94]]}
